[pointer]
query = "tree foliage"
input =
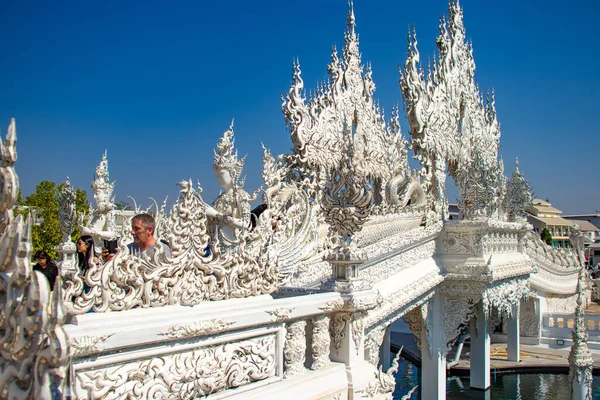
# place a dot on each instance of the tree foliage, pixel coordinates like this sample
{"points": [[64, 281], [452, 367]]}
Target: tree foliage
{"points": [[123, 205], [43, 207], [546, 236]]}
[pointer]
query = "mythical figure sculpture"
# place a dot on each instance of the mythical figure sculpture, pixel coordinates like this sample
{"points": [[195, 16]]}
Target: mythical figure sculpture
{"points": [[230, 213], [101, 223], [578, 241]]}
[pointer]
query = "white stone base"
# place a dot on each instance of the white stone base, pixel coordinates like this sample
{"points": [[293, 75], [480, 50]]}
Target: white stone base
{"points": [[330, 383]]}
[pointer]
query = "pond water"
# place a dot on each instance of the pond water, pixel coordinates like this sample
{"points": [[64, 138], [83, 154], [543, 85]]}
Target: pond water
{"points": [[504, 386]]}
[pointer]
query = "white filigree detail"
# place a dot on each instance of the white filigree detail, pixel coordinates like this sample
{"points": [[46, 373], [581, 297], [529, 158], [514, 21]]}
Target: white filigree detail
{"points": [[321, 343], [373, 341], [190, 374], [195, 329], [87, 344], [518, 195], [280, 314], [295, 349], [35, 350], [337, 329], [506, 296]]}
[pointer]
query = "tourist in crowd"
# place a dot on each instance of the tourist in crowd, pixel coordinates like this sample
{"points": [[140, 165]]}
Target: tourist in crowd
{"points": [[85, 254], [144, 243], [46, 266]]}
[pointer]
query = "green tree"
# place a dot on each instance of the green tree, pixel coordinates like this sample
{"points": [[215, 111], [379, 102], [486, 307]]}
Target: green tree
{"points": [[122, 205], [546, 236], [43, 206]]}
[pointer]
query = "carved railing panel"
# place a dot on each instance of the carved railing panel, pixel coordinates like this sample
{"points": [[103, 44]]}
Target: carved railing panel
{"points": [[189, 374]]}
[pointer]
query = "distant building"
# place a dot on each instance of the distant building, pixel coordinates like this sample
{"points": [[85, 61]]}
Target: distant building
{"points": [[587, 220], [594, 221], [543, 215]]}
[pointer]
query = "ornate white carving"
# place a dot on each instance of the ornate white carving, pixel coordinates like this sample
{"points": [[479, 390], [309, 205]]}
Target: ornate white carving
{"points": [[199, 328], [345, 103], [229, 216], [191, 275], [358, 329], [100, 222], [66, 220], [373, 341], [66, 210], [295, 349], [416, 322], [580, 357], [384, 383], [280, 314], [321, 342], [449, 123], [8, 177], [189, 374], [337, 329], [505, 296], [332, 305], [35, 351], [518, 195], [87, 344], [458, 310]]}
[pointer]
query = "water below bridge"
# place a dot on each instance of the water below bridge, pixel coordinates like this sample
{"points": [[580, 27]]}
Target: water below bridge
{"points": [[505, 386]]}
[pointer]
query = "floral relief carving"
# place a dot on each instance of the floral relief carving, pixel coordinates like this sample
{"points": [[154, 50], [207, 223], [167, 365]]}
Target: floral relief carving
{"points": [[505, 296], [458, 310], [337, 328], [321, 343], [357, 327], [185, 375], [373, 341], [197, 328], [280, 314], [295, 349], [87, 344], [332, 305]]}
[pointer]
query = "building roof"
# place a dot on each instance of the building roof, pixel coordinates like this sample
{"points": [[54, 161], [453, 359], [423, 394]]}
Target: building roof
{"points": [[582, 215], [585, 226], [542, 206], [556, 221]]}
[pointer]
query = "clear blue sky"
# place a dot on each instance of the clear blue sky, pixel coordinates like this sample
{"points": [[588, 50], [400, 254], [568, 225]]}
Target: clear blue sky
{"points": [[156, 83]]}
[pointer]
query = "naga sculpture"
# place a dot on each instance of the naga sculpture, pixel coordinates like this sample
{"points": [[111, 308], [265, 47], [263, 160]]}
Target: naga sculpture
{"points": [[100, 223]]}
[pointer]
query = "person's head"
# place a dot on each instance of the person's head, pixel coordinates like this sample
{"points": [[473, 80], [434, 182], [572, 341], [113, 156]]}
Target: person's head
{"points": [[142, 229], [85, 250], [84, 244], [42, 258]]}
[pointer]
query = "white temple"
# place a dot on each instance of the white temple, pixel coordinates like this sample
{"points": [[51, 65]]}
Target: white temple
{"points": [[300, 306]]}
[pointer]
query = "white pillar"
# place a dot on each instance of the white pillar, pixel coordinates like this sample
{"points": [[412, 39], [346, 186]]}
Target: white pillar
{"points": [[480, 350], [386, 350], [433, 363], [513, 341]]}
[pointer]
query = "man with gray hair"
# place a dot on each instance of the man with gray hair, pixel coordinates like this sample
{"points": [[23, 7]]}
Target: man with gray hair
{"points": [[144, 243]]}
